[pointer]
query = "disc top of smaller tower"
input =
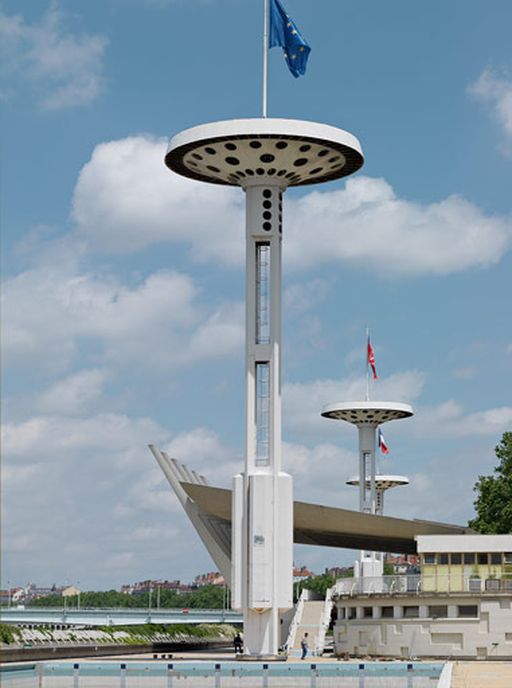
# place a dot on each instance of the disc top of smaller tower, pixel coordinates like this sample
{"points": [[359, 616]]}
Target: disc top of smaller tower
{"points": [[382, 482], [367, 412]]}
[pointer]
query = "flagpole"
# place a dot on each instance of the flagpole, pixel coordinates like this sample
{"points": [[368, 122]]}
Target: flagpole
{"points": [[367, 366], [265, 55]]}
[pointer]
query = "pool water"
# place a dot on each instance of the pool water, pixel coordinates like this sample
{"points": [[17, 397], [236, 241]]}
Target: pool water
{"points": [[155, 674]]}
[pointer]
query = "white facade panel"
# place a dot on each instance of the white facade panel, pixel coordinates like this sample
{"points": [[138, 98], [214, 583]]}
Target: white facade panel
{"points": [[261, 541], [464, 543]]}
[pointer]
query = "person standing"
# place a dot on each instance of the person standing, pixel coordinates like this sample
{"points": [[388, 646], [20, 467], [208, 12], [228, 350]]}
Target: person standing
{"points": [[304, 646], [237, 642]]}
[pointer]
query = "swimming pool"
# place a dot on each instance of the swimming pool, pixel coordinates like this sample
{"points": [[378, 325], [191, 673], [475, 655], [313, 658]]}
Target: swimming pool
{"points": [[157, 674]]}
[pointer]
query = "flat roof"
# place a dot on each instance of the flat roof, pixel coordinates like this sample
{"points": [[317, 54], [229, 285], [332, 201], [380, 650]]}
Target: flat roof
{"points": [[468, 543], [315, 524]]}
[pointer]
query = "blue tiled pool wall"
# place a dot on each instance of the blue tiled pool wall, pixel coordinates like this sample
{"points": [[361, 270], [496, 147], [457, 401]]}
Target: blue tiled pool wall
{"points": [[115, 674]]}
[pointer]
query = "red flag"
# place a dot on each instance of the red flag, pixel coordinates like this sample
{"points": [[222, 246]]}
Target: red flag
{"points": [[370, 360]]}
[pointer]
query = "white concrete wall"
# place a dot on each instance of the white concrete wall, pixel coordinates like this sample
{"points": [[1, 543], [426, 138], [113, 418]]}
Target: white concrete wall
{"points": [[487, 635]]}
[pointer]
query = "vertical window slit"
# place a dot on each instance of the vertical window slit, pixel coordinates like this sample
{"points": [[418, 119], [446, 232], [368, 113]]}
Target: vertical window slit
{"points": [[262, 414]]}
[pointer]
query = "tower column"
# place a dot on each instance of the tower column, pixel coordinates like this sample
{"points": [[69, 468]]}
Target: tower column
{"points": [[367, 495], [367, 416], [262, 583]]}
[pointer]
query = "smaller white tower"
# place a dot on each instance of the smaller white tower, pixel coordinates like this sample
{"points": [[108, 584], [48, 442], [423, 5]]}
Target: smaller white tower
{"points": [[367, 416], [382, 483]]}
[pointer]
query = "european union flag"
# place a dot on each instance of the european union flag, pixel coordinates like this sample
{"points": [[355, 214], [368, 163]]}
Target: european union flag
{"points": [[284, 32]]}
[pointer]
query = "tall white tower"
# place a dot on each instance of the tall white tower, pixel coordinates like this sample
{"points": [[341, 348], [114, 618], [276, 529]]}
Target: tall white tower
{"points": [[367, 416], [264, 157]]}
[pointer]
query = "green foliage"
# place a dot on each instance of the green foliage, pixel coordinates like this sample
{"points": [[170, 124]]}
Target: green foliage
{"points": [[144, 632], [207, 597], [493, 504], [8, 634], [388, 569], [318, 584]]}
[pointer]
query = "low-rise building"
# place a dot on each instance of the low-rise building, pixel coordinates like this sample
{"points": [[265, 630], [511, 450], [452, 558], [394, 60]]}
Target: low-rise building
{"points": [[210, 578], [458, 605]]}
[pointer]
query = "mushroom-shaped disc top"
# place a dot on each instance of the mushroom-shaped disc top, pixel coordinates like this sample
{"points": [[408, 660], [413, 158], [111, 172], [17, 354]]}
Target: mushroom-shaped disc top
{"points": [[242, 152]]}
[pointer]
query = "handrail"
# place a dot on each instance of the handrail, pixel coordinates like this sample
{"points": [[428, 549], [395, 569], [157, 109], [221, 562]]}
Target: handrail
{"points": [[325, 621], [292, 631], [424, 583]]}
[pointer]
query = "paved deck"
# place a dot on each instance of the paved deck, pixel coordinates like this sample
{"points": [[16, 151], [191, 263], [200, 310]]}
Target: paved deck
{"points": [[482, 675]]}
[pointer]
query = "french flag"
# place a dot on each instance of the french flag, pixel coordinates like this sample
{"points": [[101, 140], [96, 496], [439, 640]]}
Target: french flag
{"points": [[382, 443], [370, 358]]}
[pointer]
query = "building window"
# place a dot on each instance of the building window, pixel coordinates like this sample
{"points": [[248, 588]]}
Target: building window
{"points": [[467, 610], [411, 612], [351, 612], [456, 559], [341, 613], [438, 611], [483, 558], [429, 558], [387, 612], [496, 558], [469, 558], [507, 556], [367, 612], [442, 558]]}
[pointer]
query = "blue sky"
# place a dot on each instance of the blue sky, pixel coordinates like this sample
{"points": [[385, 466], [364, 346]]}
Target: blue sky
{"points": [[123, 284]]}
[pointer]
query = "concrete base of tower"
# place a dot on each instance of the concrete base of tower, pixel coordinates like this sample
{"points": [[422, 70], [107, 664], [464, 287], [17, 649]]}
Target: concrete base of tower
{"points": [[262, 557]]}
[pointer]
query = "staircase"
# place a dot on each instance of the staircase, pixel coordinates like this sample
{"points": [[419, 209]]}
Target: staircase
{"points": [[312, 617]]}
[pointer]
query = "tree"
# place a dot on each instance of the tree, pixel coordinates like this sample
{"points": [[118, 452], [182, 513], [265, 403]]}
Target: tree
{"points": [[493, 504]]}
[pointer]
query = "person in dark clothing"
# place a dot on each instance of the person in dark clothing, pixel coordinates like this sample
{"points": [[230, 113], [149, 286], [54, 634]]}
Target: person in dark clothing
{"points": [[237, 642]]}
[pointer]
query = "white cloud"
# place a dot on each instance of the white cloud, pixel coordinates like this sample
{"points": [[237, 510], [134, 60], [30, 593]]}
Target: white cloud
{"points": [[202, 450], [125, 199], [85, 307], [301, 297], [303, 402], [64, 68], [366, 224], [450, 419], [495, 91], [319, 473], [73, 394], [55, 435]]}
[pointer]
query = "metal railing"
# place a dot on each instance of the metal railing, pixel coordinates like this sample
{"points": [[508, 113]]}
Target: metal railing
{"points": [[325, 621], [422, 583], [121, 616], [292, 632]]}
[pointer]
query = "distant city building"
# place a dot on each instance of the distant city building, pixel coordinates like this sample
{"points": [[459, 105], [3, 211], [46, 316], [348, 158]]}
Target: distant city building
{"points": [[11, 595], [403, 563], [70, 591], [301, 573], [340, 571], [32, 592], [142, 587], [211, 578]]}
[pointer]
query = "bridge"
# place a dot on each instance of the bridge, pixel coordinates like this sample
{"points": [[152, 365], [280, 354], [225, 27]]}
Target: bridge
{"points": [[115, 616]]}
